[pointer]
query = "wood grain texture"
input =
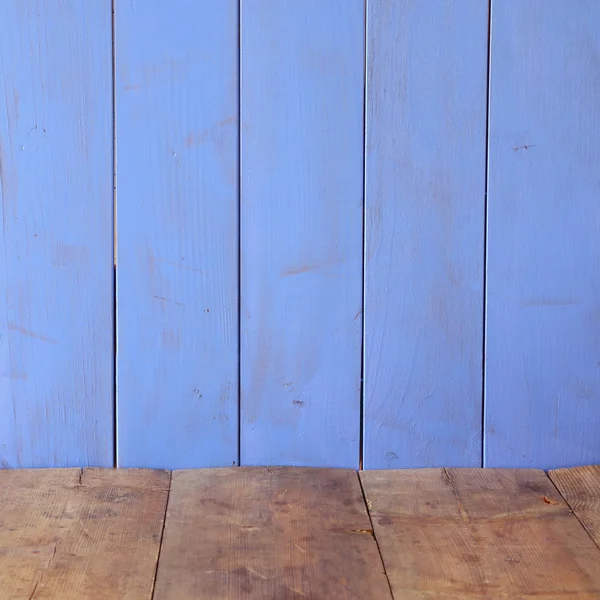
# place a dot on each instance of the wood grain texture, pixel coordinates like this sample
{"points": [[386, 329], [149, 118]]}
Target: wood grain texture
{"points": [[177, 224], [580, 487], [268, 533], [56, 257], [543, 282], [78, 535], [425, 208], [302, 189], [474, 533]]}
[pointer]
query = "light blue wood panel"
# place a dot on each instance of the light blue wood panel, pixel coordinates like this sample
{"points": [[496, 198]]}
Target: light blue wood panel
{"points": [[543, 291], [177, 223], [56, 241], [425, 209], [302, 189]]}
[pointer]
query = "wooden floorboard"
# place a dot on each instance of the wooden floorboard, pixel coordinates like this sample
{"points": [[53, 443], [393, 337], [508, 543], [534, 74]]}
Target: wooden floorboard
{"points": [[71, 534], [294, 533], [268, 533], [479, 533], [580, 487]]}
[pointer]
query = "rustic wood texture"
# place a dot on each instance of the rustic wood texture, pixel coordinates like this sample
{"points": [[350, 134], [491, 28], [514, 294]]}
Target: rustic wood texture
{"points": [[296, 533], [467, 533], [424, 232], [177, 130], [268, 533], [580, 487], [302, 79], [77, 535], [542, 397], [56, 239]]}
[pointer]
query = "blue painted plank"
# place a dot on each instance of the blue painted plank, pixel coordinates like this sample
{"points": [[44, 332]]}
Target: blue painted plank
{"points": [[302, 189], [56, 241], [543, 288], [177, 225], [424, 229]]}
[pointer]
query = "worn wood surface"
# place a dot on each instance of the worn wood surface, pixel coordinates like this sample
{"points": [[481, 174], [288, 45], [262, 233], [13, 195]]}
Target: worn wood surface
{"points": [[56, 256], [470, 533], [281, 532], [178, 86], [542, 398], [177, 227], [73, 534], [425, 207], [301, 244], [268, 533], [580, 487]]}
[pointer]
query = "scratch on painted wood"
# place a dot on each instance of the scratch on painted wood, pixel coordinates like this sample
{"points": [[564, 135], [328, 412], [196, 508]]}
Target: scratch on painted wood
{"points": [[31, 334]]}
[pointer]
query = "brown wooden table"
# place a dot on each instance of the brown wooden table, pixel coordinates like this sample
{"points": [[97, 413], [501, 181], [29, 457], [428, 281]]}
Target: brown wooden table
{"points": [[295, 533]]}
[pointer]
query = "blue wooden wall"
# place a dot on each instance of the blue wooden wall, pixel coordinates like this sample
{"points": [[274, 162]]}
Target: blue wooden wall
{"points": [[176, 104], [424, 229], [308, 232], [301, 201], [56, 249], [542, 401]]}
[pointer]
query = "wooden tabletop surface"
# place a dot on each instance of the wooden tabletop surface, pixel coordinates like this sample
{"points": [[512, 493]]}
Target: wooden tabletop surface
{"points": [[297, 533]]}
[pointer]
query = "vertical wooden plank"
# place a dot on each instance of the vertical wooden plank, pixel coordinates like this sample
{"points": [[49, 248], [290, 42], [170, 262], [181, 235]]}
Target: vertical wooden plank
{"points": [[302, 189], [425, 195], [543, 289], [56, 257], [177, 223]]}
